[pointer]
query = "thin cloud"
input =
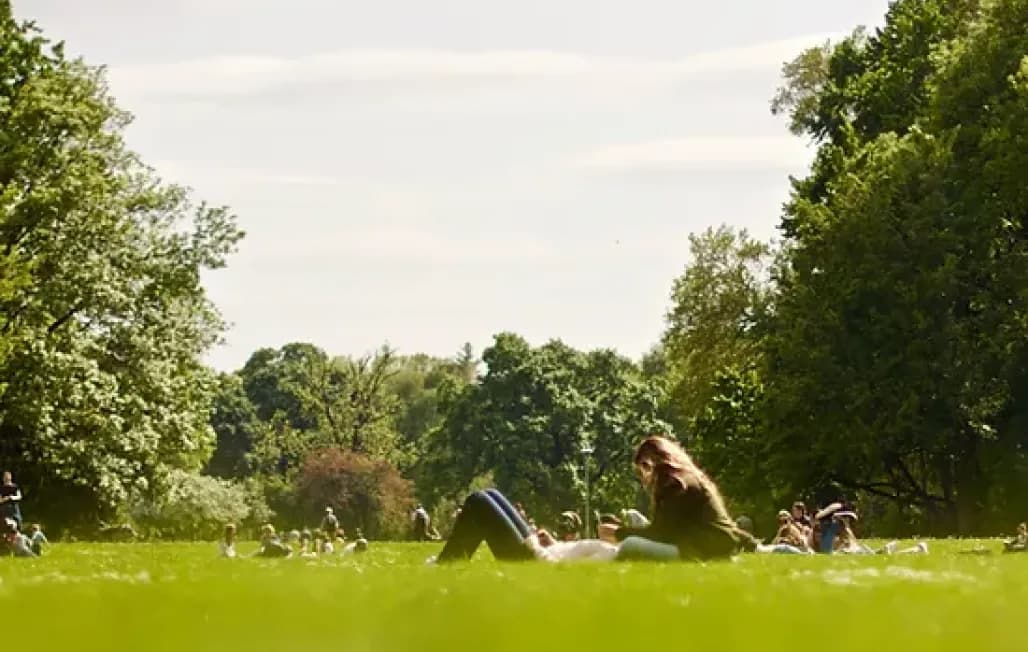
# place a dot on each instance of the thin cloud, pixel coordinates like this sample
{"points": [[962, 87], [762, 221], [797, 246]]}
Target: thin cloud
{"points": [[408, 245], [687, 154], [246, 75]]}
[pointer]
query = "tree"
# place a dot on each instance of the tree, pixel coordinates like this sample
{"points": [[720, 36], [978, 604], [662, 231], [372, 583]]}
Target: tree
{"points": [[367, 494], [716, 305], [103, 317], [897, 348], [196, 507], [526, 419]]}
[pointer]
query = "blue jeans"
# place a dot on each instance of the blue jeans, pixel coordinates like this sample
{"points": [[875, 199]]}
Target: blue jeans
{"points": [[487, 516], [641, 549], [828, 532]]}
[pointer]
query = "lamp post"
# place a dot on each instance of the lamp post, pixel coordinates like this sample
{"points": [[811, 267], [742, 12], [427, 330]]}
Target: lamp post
{"points": [[587, 451]]}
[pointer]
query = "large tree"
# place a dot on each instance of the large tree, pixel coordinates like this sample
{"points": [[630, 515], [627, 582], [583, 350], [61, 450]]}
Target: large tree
{"points": [[103, 317], [898, 348]]}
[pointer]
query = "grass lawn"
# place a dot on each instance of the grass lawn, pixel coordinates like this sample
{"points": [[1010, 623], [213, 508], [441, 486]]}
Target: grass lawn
{"points": [[181, 597]]}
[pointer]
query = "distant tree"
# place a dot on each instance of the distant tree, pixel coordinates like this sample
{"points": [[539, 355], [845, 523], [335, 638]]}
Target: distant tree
{"points": [[365, 493], [103, 317]]}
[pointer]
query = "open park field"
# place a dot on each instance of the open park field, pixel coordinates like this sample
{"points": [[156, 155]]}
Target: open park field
{"points": [[182, 597]]}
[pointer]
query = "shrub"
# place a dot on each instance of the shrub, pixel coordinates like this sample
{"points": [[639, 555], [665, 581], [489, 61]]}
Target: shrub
{"points": [[197, 507], [365, 493]]}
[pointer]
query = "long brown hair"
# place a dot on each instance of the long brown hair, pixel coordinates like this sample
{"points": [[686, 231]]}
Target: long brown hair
{"points": [[671, 464]]}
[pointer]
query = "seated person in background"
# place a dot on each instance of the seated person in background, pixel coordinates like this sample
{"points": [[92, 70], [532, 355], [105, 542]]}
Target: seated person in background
{"points": [[306, 541], [271, 544], [800, 517], [824, 529], [37, 539], [1020, 542], [325, 545], [14, 542], [227, 546], [569, 526], [790, 538]]}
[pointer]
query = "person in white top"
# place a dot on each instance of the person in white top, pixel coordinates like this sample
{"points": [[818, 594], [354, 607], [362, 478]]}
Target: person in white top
{"points": [[488, 517], [546, 548], [227, 546]]}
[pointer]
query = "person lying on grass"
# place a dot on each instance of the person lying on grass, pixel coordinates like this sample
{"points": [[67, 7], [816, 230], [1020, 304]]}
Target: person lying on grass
{"points": [[846, 541], [1020, 542], [689, 516], [271, 544], [13, 542], [488, 517]]}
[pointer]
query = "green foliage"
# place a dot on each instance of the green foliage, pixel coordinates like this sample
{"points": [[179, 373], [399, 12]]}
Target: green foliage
{"points": [[172, 597], [897, 348], [716, 306], [527, 418], [103, 319], [196, 507], [367, 494]]}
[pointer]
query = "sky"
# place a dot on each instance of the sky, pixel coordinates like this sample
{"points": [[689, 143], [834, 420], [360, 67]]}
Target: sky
{"points": [[425, 174]]}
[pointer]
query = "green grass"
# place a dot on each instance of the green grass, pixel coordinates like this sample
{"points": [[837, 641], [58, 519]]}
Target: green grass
{"points": [[181, 597]]}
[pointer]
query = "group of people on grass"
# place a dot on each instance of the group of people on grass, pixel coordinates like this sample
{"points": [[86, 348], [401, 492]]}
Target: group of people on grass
{"points": [[689, 522], [13, 540], [829, 531], [304, 544]]}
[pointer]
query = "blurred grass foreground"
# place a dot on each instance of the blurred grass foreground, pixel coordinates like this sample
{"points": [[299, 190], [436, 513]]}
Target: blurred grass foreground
{"points": [[183, 597]]}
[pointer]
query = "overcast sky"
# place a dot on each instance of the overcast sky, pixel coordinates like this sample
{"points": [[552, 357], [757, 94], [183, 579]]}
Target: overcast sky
{"points": [[426, 173]]}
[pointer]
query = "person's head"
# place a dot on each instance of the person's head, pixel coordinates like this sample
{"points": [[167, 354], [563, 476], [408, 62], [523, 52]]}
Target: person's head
{"points": [[799, 509], [305, 536], [267, 531], [230, 533], [361, 545], [34, 528], [1022, 528], [10, 526], [328, 511], [8, 478], [784, 518], [660, 456]]}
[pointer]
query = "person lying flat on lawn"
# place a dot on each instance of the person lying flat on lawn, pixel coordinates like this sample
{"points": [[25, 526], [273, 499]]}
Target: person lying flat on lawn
{"points": [[488, 517], [689, 516], [1020, 542], [271, 544]]}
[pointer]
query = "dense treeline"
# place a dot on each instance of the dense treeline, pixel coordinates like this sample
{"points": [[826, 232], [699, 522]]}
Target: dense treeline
{"points": [[876, 352]]}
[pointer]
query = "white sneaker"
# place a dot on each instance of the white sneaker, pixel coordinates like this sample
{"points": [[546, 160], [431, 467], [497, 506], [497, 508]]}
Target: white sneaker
{"points": [[890, 548], [432, 561], [922, 548]]}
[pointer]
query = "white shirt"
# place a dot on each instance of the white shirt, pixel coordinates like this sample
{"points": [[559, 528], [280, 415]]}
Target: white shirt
{"points": [[586, 549]]}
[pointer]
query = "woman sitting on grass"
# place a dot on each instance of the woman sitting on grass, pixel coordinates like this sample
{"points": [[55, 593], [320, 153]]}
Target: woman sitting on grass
{"points": [[227, 546], [689, 516], [487, 516]]}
